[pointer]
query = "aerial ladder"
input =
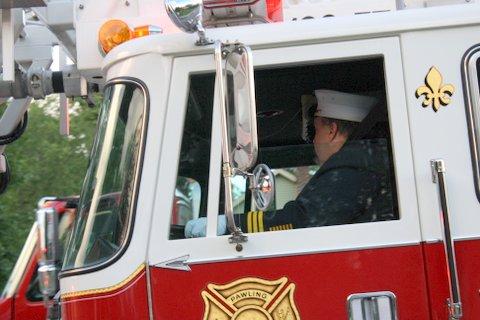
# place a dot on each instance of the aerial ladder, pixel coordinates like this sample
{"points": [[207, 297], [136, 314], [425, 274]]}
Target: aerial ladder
{"points": [[30, 32]]}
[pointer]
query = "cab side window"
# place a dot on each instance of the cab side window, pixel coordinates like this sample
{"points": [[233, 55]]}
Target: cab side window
{"points": [[324, 131], [191, 190]]}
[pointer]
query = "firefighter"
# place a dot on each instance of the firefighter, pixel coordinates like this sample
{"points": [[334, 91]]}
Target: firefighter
{"points": [[352, 184]]}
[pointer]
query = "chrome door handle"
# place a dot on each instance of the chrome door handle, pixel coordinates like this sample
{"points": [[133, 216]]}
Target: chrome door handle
{"points": [[372, 306]]}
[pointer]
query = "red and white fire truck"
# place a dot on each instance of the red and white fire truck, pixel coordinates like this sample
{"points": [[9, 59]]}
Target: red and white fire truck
{"points": [[22, 297], [187, 115]]}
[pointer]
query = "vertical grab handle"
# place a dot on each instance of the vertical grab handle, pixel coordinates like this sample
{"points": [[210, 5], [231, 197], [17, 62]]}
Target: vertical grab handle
{"points": [[454, 302]]}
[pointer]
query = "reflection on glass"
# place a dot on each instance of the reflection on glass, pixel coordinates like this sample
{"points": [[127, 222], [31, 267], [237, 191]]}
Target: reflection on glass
{"points": [[239, 112], [189, 199], [104, 210], [186, 204]]}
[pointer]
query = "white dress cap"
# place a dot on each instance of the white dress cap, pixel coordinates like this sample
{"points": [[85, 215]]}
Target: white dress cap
{"points": [[343, 106]]}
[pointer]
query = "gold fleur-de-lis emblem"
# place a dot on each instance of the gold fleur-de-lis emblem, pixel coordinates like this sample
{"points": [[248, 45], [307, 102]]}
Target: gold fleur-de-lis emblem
{"points": [[435, 92]]}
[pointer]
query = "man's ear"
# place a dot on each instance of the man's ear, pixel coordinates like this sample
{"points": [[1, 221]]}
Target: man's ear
{"points": [[332, 133]]}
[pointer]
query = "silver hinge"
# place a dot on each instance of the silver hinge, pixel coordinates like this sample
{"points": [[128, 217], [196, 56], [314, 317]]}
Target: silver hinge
{"points": [[437, 166]]}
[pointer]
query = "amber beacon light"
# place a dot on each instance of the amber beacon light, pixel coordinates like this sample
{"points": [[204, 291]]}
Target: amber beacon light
{"points": [[112, 33], [115, 32]]}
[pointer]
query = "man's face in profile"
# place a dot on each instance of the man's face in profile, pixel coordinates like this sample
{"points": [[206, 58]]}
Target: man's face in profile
{"points": [[323, 137]]}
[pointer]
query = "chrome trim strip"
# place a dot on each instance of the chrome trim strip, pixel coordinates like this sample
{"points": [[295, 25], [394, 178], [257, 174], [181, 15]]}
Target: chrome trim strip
{"points": [[131, 219], [303, 253], [179, 263], [149, 291], [457, 239]]}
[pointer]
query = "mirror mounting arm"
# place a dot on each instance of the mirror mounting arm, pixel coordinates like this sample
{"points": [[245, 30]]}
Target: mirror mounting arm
{"points": [[202, 37], [237, 237], [252, 184]]}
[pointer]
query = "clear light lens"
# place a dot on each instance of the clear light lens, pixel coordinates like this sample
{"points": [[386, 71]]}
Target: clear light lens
{"points": [[147, 30]]}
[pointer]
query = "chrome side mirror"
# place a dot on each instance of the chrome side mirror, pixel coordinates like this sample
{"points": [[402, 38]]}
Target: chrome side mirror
{"points": [[235, 91], [241, 107], [242, 123], [48, 283], [263, 187], [47, 219], [187, 15]]}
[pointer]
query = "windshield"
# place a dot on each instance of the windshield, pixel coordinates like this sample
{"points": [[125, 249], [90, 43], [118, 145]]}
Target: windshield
{"points": [[106, 203]]}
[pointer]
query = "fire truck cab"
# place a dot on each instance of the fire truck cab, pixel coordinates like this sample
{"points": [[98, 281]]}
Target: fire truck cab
{"points": [[160, 134]]}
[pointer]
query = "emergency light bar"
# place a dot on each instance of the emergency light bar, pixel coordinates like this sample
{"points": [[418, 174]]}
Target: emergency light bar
{"points": [[218, 13], [194, 15], [212, 4]]}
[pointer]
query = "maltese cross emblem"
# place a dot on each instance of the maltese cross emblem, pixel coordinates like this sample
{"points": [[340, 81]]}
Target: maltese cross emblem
{"points": [[250, 299]]}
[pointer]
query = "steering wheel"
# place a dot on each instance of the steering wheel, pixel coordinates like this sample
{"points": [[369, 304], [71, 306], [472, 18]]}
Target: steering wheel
{"points": [[264, 186]]}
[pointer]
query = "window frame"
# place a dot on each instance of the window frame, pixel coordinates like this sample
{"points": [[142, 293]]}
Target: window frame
{"points": [[471, 92], [137, 180], [20, 268], [211, 248]]}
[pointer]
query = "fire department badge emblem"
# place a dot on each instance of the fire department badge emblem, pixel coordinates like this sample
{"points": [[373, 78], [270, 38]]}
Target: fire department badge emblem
{"points": [[251, 299]]}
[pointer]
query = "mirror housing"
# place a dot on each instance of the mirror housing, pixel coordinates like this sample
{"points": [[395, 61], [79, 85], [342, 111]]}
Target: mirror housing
{"points": [[47, 221], [235, 80], [48, 283], [187, 15], [262, 185], [241, 108]]}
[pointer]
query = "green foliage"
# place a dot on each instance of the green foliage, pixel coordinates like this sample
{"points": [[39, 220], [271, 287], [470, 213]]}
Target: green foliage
{"points": [[42, 163]]}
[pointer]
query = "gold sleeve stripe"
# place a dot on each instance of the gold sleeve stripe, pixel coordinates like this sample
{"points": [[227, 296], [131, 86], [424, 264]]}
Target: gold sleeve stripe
{"points": [[249, 222], [279, 227], [260, 221], [255, 221]]}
